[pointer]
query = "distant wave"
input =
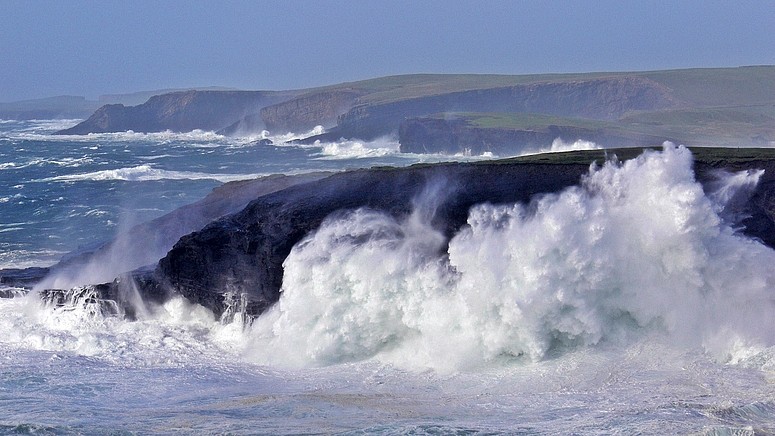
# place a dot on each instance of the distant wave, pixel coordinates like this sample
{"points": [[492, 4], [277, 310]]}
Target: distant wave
{"points": [[143, 173], [558, 145], [281, 139], [44, 131], [353, 148], [67, 162]]}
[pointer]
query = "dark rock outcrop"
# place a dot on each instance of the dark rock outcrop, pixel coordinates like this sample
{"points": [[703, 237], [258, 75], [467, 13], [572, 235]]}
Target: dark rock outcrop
{"points": [[61, 107], [180, 112], [146, 243], [120, 297]]}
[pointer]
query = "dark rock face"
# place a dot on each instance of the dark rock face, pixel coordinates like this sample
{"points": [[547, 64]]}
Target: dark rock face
{"points": [[602, 99], [303, 113], [61, 107], [179, 112], [758, 209], [452, 136]]}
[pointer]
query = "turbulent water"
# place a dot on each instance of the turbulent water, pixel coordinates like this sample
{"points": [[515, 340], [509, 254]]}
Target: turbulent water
{"points": [[626, 304]]}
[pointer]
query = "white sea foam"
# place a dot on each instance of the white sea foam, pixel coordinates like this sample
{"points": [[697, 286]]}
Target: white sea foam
{"points": [[143, 173], [342, 149], [65, 162], [281, 139], [558, 145], [45, 132], [638, 247], [353, 148]]}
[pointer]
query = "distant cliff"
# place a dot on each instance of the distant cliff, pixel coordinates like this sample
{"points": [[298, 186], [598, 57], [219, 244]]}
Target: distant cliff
{"points": [[307, 111], [722, 106], [510, 134], [180, 112], [604, 98], [62, 107]]}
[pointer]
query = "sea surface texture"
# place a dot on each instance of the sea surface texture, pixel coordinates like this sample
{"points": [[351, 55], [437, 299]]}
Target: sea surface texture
{"points": [[625, 304]]}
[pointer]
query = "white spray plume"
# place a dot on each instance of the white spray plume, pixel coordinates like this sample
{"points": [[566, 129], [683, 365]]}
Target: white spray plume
{"points": [[637, 248]]}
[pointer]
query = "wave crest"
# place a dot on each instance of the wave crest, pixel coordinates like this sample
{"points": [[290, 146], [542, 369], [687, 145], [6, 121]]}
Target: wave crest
{"points": [[142, 173]]}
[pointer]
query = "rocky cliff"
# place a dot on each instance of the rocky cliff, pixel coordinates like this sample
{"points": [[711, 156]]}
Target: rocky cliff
{"points": [[305, 112], [605, 98], [180, 112]]}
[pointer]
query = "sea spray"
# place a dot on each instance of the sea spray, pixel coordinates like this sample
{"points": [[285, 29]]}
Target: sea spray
{"points": [[344, 149], [637, 247], [78, 321]]}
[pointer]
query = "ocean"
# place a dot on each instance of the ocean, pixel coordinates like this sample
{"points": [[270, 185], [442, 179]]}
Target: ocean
{"points": [[626, 304]]}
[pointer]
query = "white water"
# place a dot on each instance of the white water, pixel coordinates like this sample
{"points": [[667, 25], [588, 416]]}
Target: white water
{"points": [[637, 248], [626, 304], [558, 145], [144, 173]]}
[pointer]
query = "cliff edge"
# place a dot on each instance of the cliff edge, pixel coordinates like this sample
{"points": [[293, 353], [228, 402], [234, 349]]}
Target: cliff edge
{"points": [[179, 112]]}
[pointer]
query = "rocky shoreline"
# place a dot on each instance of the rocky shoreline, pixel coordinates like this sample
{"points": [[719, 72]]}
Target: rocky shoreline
{"points": [[239, 257]]}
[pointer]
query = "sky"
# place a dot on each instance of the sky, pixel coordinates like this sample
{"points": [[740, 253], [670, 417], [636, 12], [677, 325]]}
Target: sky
{"points": [[90, 48]]}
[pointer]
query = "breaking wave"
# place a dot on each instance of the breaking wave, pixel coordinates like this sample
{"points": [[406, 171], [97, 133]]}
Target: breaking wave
{"points": [[143, 173], [46, 133], [558, 145], [636, 249], [348, 149]]}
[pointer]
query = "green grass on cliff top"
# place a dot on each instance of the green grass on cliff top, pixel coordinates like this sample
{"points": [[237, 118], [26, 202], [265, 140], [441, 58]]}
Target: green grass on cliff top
{"points": [[696, 87]]}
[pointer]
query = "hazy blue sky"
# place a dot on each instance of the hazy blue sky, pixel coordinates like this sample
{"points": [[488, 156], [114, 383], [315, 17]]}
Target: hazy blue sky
{"points": [[90, 48]]}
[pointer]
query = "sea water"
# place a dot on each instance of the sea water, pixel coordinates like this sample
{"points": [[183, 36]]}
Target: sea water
{"points": [[626, 304]]}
